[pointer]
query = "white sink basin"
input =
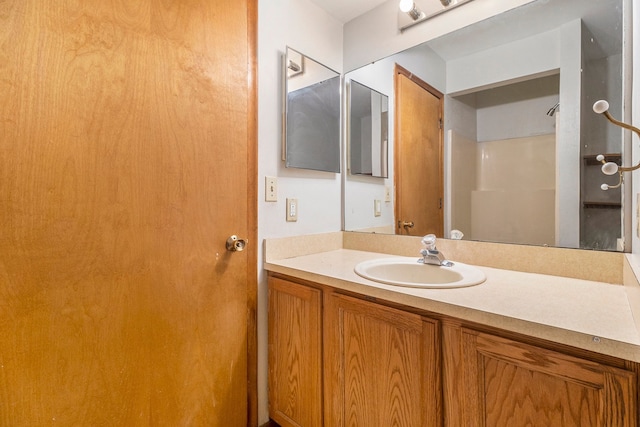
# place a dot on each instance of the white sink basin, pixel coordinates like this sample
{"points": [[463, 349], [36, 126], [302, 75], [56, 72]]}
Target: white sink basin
{"points": [[408, 272]]}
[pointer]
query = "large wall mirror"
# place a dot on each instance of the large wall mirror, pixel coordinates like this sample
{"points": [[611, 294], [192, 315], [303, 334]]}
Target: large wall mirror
{"points": [[311, 134], [518, 133]]}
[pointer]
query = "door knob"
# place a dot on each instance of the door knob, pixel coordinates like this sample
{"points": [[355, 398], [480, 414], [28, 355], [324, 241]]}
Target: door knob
{"points": [[235, 244], [407, 224]]}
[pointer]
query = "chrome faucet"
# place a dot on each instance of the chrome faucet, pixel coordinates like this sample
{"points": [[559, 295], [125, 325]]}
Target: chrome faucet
{"points": [[430, 254]]}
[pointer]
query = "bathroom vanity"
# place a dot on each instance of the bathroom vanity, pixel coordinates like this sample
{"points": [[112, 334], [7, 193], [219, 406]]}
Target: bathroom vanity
{"points": [[520, 349]]}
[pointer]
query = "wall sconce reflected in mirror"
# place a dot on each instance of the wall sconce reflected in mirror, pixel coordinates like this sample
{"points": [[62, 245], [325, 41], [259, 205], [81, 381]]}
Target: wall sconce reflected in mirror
{"points": [[611, 168], [412, 12]]}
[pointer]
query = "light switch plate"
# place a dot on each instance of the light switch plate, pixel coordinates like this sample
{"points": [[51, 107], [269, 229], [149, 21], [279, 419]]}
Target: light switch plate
{"points": [[292, 210], [270, 189], [377, 210], [387, 193]]}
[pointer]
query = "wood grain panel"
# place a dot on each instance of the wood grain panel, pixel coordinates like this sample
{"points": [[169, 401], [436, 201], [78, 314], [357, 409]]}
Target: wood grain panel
{"points": [[539, 399], [125, 144], [419, 173], [382, 366], [452, 381], [512, 383], [295, 354]]}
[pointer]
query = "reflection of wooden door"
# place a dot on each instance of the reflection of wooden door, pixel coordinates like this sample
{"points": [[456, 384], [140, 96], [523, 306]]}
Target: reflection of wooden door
{"points": [[418, 156], [127, 157]]}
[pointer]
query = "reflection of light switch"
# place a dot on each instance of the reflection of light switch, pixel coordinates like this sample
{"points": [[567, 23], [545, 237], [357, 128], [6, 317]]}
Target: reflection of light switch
{"points": [[387, 193], [270, 189], [377, 211], [292, 210]]}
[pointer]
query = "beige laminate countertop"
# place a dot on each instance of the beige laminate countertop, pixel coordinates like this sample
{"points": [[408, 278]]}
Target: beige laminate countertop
{"points": [[586, 314]]}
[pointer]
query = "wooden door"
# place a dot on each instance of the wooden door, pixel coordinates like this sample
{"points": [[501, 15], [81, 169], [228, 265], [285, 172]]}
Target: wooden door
{"points": [[127, 157], [418, 156], [295, 354], [508, 383], [382, 366]]}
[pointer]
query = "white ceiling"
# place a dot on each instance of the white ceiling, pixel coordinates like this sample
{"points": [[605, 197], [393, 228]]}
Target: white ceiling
{"points": [[346, 10]]}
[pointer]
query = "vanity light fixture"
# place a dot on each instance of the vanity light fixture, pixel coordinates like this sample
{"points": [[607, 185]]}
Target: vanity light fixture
{"points": [[409, 7], [611, 168], [294, 67], [412, 12]]}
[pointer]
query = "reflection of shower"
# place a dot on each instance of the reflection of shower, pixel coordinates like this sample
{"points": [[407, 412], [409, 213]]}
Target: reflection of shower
{"points": [[553, 110]]}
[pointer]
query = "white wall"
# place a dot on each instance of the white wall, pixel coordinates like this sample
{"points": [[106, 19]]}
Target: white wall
{"points": [[503, 114], [533, 56], [301, 25]]}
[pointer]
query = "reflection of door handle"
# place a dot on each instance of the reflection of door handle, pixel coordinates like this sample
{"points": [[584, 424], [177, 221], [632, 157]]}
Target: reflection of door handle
{"points": [[407, 224], [234, 244]]}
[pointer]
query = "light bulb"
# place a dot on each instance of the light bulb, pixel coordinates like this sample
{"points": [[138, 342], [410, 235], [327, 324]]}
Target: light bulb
{"points": [[609, 168], [604, 187], [601, 106], [406, 5], [599, 157]]}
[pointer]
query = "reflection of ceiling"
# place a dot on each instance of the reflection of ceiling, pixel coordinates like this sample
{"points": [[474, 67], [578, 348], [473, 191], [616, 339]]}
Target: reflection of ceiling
{"points": [[601, 17], [346, 10]]}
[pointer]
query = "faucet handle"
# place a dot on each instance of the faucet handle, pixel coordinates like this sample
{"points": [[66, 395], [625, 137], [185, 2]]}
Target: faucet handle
{"points": [[429, 241]]}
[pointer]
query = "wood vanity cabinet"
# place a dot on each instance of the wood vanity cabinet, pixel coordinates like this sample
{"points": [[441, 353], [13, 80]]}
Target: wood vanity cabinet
{"points": [[501, 382], [381, 365], [339, 360], [295, 354]]}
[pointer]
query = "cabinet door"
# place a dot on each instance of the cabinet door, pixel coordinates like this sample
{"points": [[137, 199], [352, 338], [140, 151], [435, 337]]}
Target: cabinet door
{"points": [[381, 366], [295, 354], [508, 383]]}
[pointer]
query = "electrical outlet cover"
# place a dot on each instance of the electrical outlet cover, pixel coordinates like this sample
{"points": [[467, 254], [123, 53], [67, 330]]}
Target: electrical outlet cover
{"points": [[292, 210]]}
